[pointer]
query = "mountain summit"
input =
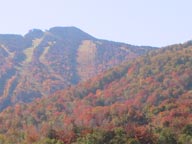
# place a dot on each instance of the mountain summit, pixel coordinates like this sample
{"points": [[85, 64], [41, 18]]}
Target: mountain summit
{"points": [[72, 33]]}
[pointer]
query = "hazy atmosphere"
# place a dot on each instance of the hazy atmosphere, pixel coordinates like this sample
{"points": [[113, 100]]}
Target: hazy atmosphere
{"points": [[96, 72], [149, 22]]}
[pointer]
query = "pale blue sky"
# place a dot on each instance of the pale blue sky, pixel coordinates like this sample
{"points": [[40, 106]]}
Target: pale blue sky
{"points": [[139, 22]]}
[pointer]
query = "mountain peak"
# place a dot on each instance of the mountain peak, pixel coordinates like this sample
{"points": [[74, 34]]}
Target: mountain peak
{"points": [[70, 32]]}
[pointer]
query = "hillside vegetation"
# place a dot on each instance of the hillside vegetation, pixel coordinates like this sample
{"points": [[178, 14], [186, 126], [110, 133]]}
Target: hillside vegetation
{"points": [[144, 101]]}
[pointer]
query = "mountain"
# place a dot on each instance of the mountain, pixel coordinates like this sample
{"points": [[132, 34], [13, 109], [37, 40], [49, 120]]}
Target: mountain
{"points": [[42, 62], [144, 101]]}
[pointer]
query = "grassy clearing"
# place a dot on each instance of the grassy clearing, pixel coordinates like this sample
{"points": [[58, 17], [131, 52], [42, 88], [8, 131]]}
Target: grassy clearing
{"points": [[86, 58], [11, 54], [29, 51]]}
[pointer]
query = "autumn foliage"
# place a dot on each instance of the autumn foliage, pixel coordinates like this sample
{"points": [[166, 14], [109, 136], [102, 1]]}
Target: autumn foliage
{"points": [[145, 101]]}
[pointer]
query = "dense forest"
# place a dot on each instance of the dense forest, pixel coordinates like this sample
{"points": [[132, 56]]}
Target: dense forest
{"points": [[147, 100]]}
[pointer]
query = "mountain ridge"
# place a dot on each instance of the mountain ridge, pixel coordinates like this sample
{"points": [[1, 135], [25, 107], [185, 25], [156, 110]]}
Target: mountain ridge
{"points": [[42, 62]]}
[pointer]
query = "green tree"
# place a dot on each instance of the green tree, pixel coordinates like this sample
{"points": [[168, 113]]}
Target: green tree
{"points": [[167, 137]]}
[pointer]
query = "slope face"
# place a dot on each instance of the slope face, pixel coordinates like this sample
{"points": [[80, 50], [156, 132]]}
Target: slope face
{"points": [[41, 63], [144, 101]]}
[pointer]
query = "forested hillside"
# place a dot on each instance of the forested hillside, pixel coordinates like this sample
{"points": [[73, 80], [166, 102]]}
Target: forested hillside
{"points": [[144, 101], [42, 62]]}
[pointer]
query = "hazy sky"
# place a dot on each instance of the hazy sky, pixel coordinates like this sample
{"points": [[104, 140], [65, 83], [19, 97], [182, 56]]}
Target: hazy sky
{"points": [[139, 22]]}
